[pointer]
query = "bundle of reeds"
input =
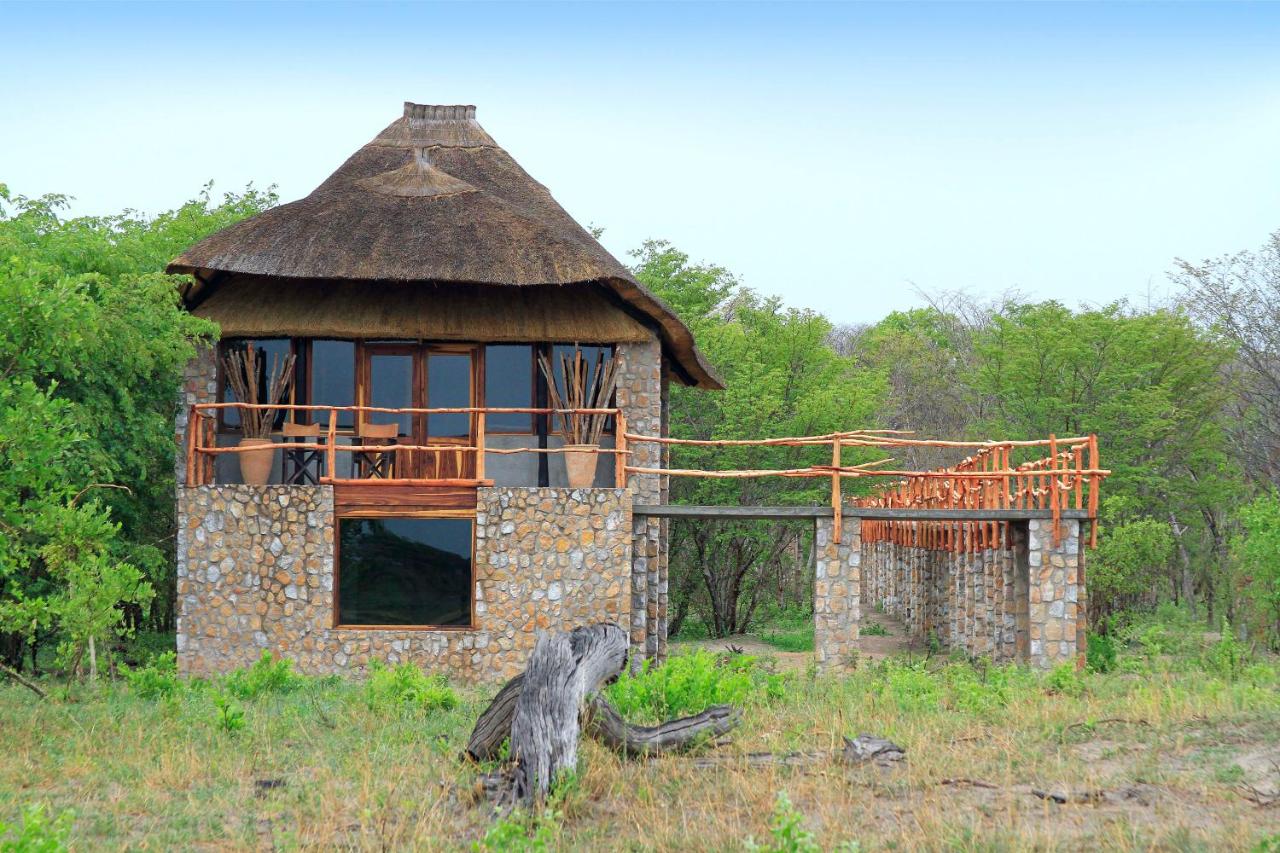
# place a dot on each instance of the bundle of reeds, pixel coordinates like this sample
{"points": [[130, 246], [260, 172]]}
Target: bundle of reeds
{"points": [[580, 388], [244, 375]]}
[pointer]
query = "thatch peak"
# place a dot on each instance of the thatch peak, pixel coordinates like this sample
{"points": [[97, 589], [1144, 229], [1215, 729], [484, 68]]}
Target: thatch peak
{"points": [[428, 125], [431, 200]]}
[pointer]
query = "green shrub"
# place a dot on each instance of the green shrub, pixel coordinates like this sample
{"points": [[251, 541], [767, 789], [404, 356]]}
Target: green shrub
{"points": [[157, 680], [406, 686], [1100, 652], [1226, 658], [230, 716], [786, 831], [37, 834], [875, 629], [692, 682], [267, 675], [1065, 680]]}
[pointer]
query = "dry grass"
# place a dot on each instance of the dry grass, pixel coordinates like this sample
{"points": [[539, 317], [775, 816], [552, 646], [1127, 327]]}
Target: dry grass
{"points": [[317, 768]]}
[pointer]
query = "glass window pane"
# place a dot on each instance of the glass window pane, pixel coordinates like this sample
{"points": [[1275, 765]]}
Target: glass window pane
{"points": [[270, 353], [448, 386], [404, 571], [508, 383], [333, 379], [391, 387]]}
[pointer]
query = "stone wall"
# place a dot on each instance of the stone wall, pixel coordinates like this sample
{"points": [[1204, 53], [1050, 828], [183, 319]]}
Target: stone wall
{"points": [[199, 385], [640, 398], [256, 572], [1019, 601], [837, 593]]}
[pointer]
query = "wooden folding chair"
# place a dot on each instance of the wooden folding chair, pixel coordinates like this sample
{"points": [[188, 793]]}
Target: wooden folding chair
{"points": [[377, 464], [303, 466]]}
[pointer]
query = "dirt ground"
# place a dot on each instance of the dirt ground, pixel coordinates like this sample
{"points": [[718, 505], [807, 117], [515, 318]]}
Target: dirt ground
{"points": [[870, 648]]}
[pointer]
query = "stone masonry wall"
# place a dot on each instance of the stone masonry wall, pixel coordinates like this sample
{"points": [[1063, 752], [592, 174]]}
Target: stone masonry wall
{"points": [[199, 385], [837, 593], [1021, 601], [256, 572], [639, 396]]}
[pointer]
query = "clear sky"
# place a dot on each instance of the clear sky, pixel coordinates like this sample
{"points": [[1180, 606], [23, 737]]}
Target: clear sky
{"points": [[837, 155]]}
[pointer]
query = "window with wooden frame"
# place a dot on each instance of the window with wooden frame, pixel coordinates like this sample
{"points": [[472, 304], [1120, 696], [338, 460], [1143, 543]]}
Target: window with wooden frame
{"points": [[270, 352], [405, 573]]}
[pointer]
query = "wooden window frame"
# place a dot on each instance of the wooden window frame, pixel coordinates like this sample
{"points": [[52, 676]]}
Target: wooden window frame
{"points": [[338, 625]]}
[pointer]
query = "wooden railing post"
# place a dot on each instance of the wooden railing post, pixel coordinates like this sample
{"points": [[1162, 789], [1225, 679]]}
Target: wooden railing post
{"points": [[479, 445], [331, 445], [837, 509], [620, 451], [193, 424], [1055, 509], [1093, 490]]}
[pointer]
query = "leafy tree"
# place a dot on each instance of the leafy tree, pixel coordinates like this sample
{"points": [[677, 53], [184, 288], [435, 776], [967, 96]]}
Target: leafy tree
{"points": [[1257, 554], [782, 378], [93, 345]]}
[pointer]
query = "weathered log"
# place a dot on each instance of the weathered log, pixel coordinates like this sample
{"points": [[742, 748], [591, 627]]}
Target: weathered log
{"points": [[606, 724], [564, 671], [541, 711]]}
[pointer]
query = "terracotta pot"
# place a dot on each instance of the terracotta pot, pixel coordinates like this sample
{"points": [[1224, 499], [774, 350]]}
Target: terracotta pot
{"points": [[255, 465], [580, 465]]}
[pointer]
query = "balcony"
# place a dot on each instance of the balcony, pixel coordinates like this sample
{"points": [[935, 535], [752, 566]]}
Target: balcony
{"points": [[392, 446]]}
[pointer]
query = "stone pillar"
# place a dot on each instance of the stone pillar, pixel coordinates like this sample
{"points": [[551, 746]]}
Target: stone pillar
{"points": [[639, 395], [837, 600], [199, 385], [1054, 592]]}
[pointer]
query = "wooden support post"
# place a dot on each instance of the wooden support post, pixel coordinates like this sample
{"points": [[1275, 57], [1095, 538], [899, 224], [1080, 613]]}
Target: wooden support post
{"points": [[1094, 462], [837, 511], [479, 446], [193, 424], [620, 451], [1054, 497], [331, 451]]}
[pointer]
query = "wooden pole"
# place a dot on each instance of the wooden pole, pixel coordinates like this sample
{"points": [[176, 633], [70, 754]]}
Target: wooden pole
{"points": [[331, 452], [836, 501], [193, 424], [620, 451], [479, 445]]}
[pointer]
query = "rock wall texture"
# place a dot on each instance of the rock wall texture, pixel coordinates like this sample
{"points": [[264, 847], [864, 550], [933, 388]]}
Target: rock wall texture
{"points": [[199, 385], [639, 396], [256, 572], [837, 593], [1023, 601]]}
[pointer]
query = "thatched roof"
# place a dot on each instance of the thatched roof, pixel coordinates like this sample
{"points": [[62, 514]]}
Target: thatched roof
{"points": [[431, 200]]}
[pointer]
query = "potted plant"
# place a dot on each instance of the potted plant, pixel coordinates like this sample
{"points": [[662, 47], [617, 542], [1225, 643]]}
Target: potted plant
{"points": [[252, 384], [580, 388]]}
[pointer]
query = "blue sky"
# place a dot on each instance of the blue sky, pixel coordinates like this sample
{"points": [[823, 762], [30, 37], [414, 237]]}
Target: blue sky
{"points": [[838, 155]]}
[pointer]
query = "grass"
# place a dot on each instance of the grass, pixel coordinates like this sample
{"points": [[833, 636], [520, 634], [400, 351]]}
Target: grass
{"points": [[318, 763]]}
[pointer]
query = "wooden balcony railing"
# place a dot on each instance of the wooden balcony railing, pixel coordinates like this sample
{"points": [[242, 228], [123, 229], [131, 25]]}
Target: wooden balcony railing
{"points": [[203, 449]]}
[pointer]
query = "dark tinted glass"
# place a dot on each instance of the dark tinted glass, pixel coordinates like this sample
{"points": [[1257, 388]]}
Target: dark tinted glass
{"points": [[508, 383], [448, 387], [404, 571], [333, 379], [270, 353]]}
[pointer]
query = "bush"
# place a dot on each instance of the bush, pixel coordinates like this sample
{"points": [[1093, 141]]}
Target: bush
{"points": [[406, 686], [157, 680], [910, 686], [875, 629], [1100, 652], [37, 834], [1226, 658], [786, 830], [1065, 680], [692, 682], [267, 675]]}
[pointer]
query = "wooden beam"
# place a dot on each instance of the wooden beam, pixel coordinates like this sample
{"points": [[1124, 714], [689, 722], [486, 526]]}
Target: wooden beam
{"points": [[862, 512]]}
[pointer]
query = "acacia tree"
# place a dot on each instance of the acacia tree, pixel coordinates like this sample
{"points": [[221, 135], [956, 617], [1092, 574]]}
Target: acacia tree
{"points": [[91, 356]]}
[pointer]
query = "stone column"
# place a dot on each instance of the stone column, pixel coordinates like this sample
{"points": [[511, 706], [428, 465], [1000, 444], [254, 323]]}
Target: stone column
{"points": [[1054, 592], [199, 385], [837, 600], [639, 395]]}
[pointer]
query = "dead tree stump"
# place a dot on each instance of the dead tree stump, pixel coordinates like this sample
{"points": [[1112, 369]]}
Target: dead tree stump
{"points": [[542, 709]]}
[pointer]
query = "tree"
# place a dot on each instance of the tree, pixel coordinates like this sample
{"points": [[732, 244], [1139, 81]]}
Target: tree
{"points": [[782, 378], [93, 346]]}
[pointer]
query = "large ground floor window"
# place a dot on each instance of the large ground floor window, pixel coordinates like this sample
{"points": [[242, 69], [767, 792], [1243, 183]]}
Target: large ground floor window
{"points": [[410, 572]]}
